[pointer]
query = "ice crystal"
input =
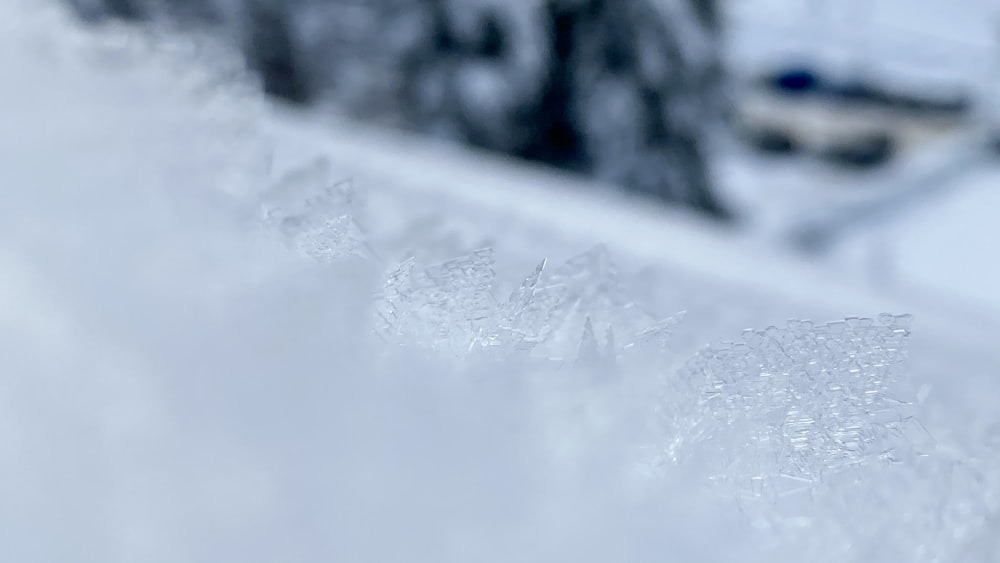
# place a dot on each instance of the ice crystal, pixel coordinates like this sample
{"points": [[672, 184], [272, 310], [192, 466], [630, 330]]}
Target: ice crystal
{"points": [[780, 409], [317, 216], [599, 292], [526, 318], [444, 306], [597, 314], [576, 311], [804, 425]]}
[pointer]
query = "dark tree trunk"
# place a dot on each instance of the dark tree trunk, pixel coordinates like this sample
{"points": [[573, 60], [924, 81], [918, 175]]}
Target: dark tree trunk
{"points": [[555, 137], [271, 50]]}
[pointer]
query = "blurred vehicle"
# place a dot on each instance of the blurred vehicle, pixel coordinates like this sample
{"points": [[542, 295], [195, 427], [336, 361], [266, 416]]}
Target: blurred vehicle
{"points": [[856, 121]]}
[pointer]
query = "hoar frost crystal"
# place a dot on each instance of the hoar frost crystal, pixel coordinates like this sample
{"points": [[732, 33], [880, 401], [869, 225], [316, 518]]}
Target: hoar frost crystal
{"points": [[801, 426]]}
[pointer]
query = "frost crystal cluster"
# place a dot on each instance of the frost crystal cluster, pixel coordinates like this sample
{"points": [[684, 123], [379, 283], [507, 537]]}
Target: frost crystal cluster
{"points": [[572, 312], [780, 409], [804, 426], [316, 216]]}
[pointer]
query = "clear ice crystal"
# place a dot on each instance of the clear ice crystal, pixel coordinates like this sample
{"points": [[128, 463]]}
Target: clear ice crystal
{"points": [[574, 313], [444, 307], [526, 318], [653, 344], [596, 295], [780, 409], [316, 215], [593, 356]]}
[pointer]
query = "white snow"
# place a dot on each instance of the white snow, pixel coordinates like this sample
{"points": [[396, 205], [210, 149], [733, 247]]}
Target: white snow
{"points": [[920, 226], [943, 248], [176, 385], [934, 42]]}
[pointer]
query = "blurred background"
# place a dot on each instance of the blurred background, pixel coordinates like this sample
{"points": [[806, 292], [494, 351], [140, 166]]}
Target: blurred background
{"points": [[860, 134]]}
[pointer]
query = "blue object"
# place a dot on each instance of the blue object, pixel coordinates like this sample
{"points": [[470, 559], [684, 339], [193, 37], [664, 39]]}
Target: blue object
{"points": [[796, 80]]}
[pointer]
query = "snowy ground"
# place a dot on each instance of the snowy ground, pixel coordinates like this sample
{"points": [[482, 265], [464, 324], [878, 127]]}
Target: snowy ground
{"points": [[920, 225], [177, 386], [936, 42]]}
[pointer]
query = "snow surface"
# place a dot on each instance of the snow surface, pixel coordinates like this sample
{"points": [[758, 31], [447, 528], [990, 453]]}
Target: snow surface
{"points": [[920, 226], [971, 217], [189, 372], [933, 42]]}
